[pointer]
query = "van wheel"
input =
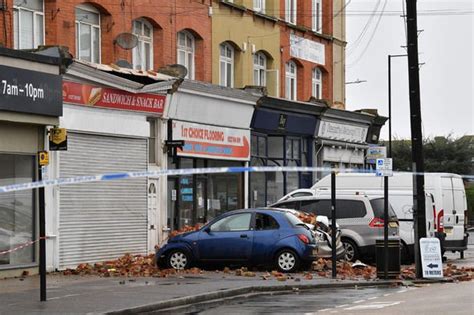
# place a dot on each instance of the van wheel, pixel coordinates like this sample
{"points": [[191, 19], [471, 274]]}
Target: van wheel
{"points": [[351, 250]]}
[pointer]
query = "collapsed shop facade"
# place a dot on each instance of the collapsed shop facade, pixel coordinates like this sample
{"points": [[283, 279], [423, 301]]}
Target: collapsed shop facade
{"points": [[30, 101], [110, 125]]}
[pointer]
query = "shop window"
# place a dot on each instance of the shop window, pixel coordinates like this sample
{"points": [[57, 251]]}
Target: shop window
{"points": [[317, 83], [259, 5], [292, 178], [223, 190], [317, 15], [87, 33], [226, 77], [17, 210], [290, 81], [260, 69], [257, 184], [186, 44], [275, 184], [28, 24], [290, 11], [142, 54]]}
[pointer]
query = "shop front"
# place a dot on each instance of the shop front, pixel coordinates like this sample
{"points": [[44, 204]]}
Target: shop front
{"points": [[282, 135], [30, 101], [213, 122], [341, 140], [108, 131]]}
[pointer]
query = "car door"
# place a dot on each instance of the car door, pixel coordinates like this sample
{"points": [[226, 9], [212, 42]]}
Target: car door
{"points": [[266, 235], [227, 239]]}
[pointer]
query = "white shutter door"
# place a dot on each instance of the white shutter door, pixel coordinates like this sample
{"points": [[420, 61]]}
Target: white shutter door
{"points": [[103, 220]]}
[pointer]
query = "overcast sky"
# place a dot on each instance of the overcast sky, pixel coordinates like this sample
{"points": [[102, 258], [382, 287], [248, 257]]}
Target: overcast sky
{"points": [[446, 78]]}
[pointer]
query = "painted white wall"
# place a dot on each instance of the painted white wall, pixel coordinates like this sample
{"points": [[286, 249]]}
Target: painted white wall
{"points": [[104, 121], [211, 110]]}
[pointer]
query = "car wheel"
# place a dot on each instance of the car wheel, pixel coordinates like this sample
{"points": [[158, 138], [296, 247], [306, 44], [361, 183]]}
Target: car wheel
{"points": [[351, 250], [287, 261], [178, 260]]}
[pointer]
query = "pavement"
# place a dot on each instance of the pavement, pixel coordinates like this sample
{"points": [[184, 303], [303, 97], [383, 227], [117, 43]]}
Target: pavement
{"points": [[119, 295]]}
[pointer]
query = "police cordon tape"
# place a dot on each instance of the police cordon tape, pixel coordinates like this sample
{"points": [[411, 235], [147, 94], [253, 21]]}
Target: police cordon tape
{"points": [[21, 246], [181, 172]]}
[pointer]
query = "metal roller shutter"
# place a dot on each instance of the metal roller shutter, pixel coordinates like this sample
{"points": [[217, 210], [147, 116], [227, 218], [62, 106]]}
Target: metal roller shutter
{"points": [[104, 220]]}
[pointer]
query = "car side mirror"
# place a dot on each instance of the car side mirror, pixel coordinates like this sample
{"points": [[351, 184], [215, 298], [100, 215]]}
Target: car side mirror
{"points": [[207, 230]]}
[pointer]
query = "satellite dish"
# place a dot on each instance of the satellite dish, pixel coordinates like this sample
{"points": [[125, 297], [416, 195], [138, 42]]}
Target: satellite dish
{"points": [[126, 40], [124, 64], [178, 71]]}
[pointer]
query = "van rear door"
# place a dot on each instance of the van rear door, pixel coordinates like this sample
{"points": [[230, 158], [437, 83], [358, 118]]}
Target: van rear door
{"points": [[460, 206]]}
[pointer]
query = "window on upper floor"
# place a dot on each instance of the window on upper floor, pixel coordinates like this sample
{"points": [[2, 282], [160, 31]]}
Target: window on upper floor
{"points": [[290, 81], [226, 65], [87, 33], [317, 15], [260, 69], [317, 83], [290, 11], [28, 24], [142, 54], [186, 44], [259, 5]]}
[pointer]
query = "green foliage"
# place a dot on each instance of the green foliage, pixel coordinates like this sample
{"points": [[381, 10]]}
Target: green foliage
{"points": [[470, 201], [442, 154]]}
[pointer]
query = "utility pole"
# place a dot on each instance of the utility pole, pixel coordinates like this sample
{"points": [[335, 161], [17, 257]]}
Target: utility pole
{"points": [[416, 132]]}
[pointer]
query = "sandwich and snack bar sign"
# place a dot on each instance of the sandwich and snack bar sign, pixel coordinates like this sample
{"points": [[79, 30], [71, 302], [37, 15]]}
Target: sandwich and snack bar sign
{"points": [[96, 96]]}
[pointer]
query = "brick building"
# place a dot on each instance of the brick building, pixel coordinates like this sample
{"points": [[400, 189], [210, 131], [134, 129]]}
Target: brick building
{"points": [[165, 30], [293, 46]]}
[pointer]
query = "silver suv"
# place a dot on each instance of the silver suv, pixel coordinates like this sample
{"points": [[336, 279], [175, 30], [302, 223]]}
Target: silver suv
{"points": [[360, 218]]}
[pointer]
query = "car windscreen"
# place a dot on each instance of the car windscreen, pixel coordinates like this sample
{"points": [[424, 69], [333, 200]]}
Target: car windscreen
{"points": [[378, 206]]}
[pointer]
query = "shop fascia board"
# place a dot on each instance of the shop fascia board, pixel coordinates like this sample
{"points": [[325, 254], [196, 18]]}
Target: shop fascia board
{"points": [[355, 145], [291, 106], [343, 115]]}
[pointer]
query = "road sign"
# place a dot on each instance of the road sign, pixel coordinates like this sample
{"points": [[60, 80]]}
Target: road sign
{"points": [[431, 260], [384, 167]]}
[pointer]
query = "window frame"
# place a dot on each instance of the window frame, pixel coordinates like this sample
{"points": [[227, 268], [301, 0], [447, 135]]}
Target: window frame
{"points": [[92, 9], [226, 60], [187, 52], [291, 81], [259, 6], [257, 214], [317, 16], [16, 11], [139, 53], [290, 11], [315, 83], [260, 69]]}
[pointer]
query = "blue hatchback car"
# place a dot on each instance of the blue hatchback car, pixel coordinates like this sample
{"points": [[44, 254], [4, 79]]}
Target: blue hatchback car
{"points": [[268, 237]]}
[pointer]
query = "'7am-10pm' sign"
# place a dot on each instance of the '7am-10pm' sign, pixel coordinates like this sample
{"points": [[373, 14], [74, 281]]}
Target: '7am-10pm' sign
{"points": [[89, 95]]}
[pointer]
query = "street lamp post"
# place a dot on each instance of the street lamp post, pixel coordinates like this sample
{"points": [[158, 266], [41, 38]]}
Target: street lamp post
{"points": [[385, 186]]}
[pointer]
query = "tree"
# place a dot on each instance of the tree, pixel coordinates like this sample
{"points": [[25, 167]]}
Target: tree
{"points": [[442, 154]]}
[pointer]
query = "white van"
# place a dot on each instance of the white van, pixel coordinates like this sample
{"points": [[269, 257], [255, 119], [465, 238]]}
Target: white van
{"points": [[402, 204], [447, 190]]}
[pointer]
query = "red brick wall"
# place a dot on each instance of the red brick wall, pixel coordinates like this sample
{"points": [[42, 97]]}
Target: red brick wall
{"points": [[167, 17], [305, 68]]}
